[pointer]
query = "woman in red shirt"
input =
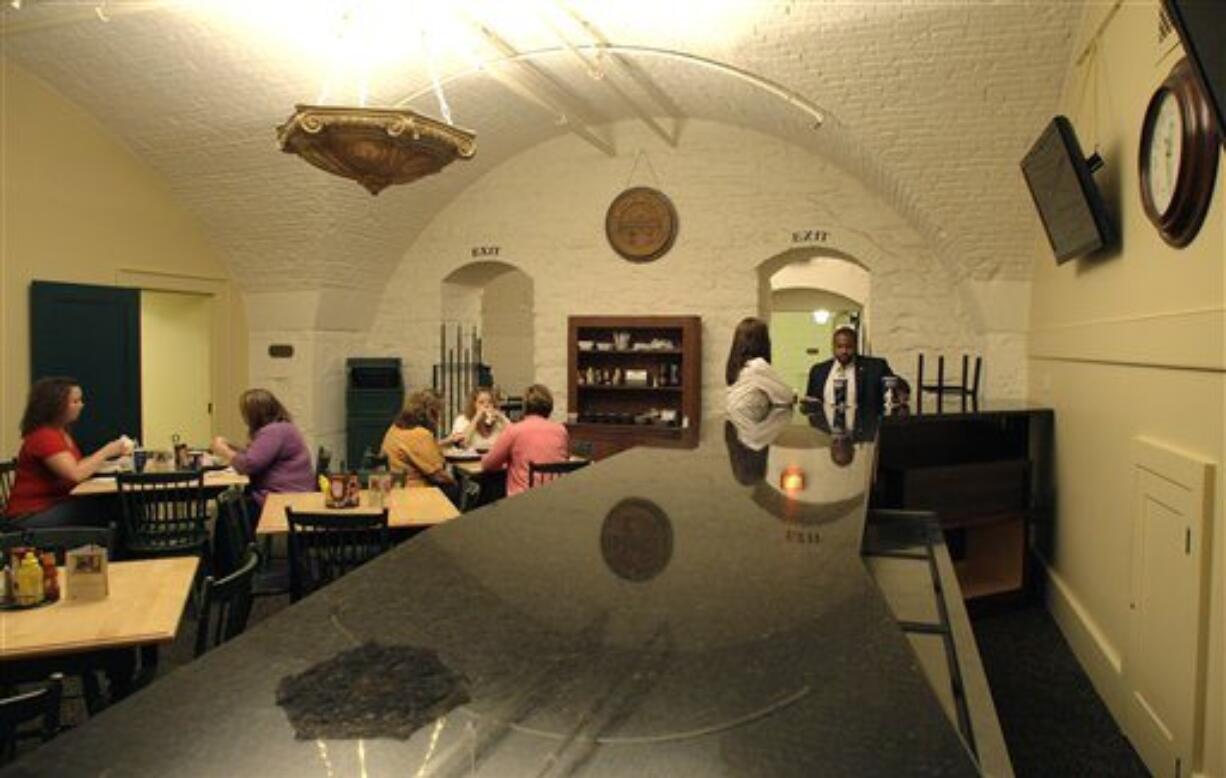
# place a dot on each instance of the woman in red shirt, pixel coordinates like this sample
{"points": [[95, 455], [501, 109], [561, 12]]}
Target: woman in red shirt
{"points": [[49, 464]]}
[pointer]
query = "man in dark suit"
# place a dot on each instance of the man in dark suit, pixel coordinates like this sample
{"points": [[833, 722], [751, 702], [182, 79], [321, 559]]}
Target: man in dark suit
{"points": [[866, 391]]}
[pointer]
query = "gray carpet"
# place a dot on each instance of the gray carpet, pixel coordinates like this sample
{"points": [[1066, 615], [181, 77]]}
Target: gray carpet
{"points": [[1054, 722]]}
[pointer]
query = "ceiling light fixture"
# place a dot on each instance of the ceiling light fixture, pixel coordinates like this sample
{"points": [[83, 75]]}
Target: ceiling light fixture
{"points": [[376, 147]]}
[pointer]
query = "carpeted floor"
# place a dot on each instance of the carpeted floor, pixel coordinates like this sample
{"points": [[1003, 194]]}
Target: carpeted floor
{"points": [[1054, 722]]}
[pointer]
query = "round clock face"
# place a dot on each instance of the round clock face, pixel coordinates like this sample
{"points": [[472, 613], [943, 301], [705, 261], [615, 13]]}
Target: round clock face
{"points": [[1165, 151], [1178, 157]]}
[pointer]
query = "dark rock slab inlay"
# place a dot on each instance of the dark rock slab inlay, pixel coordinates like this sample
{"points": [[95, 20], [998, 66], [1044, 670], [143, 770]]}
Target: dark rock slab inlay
{"points": [[371, 691]]}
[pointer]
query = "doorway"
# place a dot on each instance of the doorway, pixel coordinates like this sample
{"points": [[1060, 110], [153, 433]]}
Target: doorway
{"points": [[802, 322], [176, 367], [497, 299]]}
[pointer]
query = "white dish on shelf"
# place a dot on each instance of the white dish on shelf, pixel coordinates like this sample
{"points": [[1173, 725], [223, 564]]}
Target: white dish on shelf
{"points": [[604, 346], [585, 345]]}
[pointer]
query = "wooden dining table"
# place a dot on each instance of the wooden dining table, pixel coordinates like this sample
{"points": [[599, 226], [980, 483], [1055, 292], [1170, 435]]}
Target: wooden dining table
{"points": [[213, 480], [143, 607], [419, 506]]}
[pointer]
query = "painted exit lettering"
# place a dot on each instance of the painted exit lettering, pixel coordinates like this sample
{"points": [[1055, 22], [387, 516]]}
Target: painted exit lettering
{"points": [[486, 251], [810, 236]]}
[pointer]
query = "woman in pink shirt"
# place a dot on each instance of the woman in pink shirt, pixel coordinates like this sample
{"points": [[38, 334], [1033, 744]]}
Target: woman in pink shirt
{"points": [[535, 439]]}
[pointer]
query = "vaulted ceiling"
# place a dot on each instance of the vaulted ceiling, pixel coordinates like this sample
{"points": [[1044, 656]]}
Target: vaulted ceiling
{"points": [[930, 103]]}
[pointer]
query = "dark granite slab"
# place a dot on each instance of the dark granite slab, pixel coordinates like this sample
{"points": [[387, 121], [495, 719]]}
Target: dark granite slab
{"points": [[665, 612]]}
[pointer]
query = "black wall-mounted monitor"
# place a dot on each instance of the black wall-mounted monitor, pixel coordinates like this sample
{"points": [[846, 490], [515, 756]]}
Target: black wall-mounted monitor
{"points": [[1062, 185], [1202, 28]]}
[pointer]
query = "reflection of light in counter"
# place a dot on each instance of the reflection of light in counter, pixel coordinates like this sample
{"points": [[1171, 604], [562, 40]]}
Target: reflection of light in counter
{"points": [[792, 480]]}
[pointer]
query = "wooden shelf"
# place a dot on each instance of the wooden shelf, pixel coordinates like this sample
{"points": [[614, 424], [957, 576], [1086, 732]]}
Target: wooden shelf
{"points": [[682, 364], [631, 352], [622, 388]]}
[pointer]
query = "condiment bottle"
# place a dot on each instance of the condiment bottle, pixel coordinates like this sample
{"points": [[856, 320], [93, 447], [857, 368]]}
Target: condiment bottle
{"points": [[51, 578], [28, 581]]}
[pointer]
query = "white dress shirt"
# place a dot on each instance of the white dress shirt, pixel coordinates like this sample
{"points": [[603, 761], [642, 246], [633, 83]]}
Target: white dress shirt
{"points": [[837, 370]]}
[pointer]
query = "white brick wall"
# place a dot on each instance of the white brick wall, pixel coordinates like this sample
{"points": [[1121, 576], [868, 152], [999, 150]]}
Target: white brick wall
{"points": [[545, 209]]}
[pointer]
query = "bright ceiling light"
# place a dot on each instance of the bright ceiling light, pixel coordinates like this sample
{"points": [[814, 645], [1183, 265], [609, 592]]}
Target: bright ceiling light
{"points": [[821, 316]]}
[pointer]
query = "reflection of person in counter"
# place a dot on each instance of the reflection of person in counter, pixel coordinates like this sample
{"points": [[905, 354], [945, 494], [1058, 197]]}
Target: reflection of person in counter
{"points": [[534, 439], [410, 446], [748, 464], [481, 422], [753, 385], [49, 463], [276, 458], [866, 390]]}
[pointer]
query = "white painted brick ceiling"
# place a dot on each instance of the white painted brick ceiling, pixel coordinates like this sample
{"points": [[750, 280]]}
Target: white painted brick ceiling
{"points": [[932, 104]]}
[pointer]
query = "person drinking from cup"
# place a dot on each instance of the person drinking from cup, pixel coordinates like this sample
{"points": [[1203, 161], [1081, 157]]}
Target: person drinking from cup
{"points": [[850, 378], [481, 422], [50, 465]]}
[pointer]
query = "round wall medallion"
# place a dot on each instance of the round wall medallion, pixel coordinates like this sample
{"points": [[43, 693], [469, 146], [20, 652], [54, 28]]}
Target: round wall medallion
{"points": [[641, 224], [1179, 157]]}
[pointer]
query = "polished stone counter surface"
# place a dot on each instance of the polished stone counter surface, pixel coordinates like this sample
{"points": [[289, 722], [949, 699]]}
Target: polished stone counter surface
{"points": [[662, 613]]}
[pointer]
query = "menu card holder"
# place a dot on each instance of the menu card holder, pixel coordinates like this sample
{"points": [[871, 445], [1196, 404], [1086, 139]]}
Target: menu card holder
{"points": [[85, 573], [344, 491]]}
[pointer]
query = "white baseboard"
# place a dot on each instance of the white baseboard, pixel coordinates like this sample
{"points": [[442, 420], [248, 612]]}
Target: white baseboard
{"points": [[1101, 660]]}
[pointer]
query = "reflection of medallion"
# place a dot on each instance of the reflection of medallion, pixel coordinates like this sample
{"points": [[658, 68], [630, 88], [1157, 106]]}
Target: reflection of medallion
{"points": [[641, 224], [636, 539]]}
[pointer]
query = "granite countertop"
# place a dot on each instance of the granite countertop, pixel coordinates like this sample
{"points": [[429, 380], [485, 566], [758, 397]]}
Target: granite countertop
{"points": [[663, 612]]}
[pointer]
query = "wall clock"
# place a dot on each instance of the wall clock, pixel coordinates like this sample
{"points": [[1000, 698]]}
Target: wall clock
{"points": [[641, 224], [1179, 157]]}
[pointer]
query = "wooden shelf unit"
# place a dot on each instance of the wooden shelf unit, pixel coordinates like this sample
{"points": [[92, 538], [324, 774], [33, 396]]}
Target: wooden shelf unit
{"points": [[602, 407]]}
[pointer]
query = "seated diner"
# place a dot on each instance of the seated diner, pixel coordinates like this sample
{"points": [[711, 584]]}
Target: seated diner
{"points": [[534, 439], [49, 464], [411, 447]]}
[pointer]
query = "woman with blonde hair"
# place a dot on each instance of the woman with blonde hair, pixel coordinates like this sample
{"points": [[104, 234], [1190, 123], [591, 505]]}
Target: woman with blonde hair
{"points": [[410, 445], [276, 458], [481, 422]]}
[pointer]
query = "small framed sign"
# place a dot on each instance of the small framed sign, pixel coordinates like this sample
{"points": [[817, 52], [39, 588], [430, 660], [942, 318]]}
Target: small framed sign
{"points": [[85, 573]]}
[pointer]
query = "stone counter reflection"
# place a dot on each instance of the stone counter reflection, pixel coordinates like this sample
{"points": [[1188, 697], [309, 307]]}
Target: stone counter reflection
{"points": [[652, 614]]}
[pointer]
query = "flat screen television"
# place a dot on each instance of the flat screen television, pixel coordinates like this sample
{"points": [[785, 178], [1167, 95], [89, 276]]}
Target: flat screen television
{"points": [[1202, 28], [1062, 186]]}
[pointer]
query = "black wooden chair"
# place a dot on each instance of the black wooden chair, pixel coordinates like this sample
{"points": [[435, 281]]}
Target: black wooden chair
{"points": [[8, 473], [225, 604], [540, 473], [232, 534], [326, 546], [164, 514], [30, 706], [61, 539], [966, 387]]}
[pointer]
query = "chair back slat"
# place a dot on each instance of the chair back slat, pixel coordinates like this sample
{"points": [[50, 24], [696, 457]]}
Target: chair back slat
{"points": [[540, 473], [163, 513], [324, 547], [226, 604], [8, 474], [233, 532]]}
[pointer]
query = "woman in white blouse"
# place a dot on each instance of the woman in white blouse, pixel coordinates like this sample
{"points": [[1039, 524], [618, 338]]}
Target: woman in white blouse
{"points": [[481, 423], [753, 385]]}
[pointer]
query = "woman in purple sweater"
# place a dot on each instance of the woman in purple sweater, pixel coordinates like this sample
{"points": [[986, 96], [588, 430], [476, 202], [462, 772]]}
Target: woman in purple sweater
{"points": [[276, 459]]}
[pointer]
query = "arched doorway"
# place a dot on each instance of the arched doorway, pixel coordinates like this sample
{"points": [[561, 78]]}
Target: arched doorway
{"points": [[805, 295], [497, 301]]}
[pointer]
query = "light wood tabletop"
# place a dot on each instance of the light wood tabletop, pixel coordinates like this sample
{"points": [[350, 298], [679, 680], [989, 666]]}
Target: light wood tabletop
{"points": [[422, 506], [213, 479], [144, 605]]}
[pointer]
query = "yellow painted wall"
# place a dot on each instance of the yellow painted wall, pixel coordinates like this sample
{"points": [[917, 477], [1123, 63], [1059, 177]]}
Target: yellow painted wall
{"points": [[76, 206], [1129, 343], [176, 367]]}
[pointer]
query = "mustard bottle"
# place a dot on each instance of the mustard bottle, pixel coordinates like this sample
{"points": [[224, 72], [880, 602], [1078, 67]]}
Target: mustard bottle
{"points": [[29, 581]]}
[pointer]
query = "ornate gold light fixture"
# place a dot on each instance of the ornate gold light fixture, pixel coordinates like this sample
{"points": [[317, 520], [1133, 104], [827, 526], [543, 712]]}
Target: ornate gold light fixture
{"points": [[376, 147]]}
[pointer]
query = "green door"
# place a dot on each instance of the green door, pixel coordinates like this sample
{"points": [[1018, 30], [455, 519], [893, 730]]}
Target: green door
{"points": [[91, 333]]}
